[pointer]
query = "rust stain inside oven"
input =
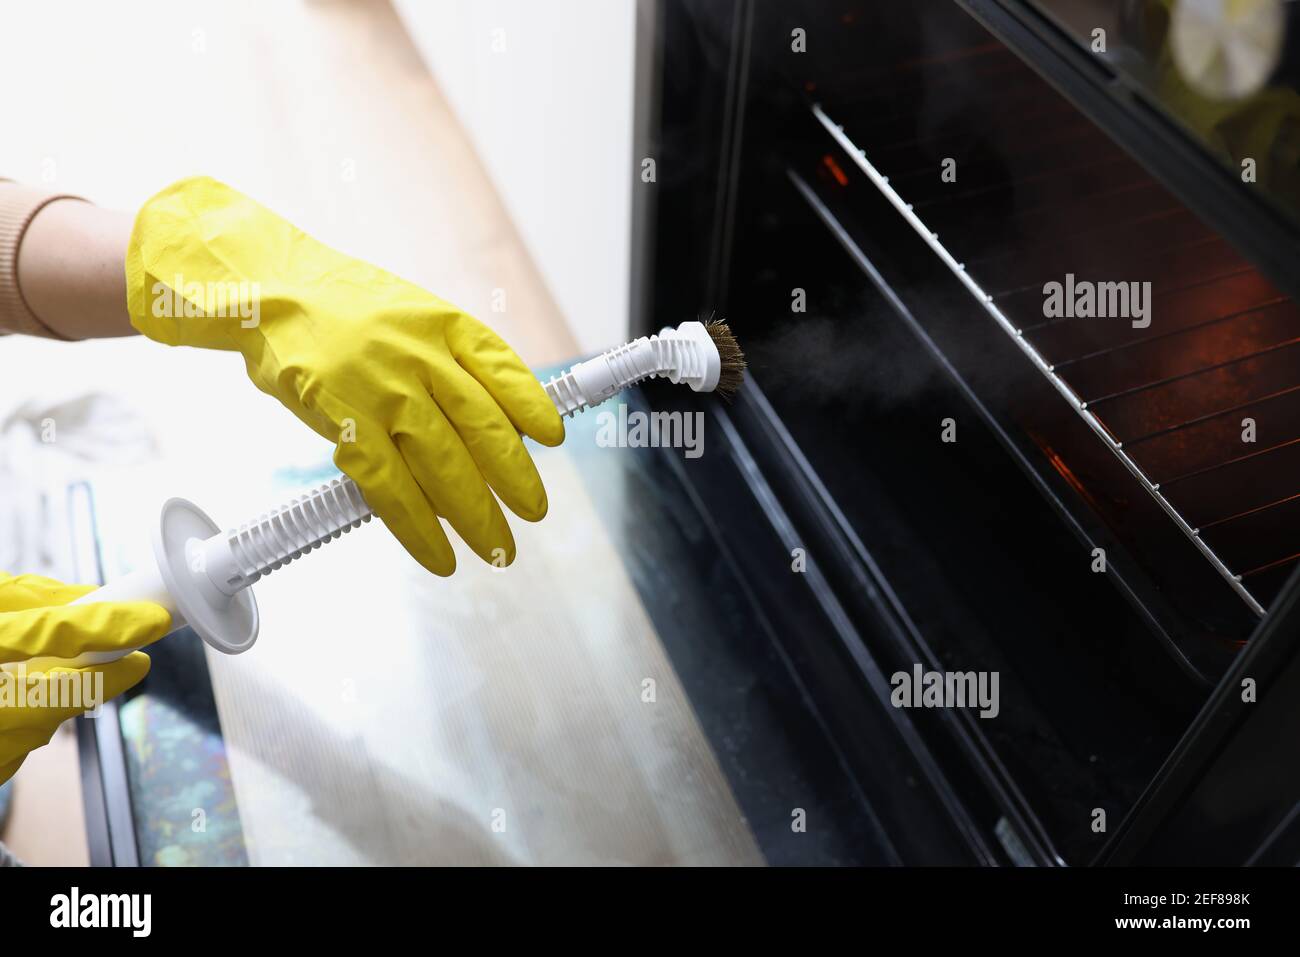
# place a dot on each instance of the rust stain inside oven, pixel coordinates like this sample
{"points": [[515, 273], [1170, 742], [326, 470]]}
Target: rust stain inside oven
{"points": [[1202, 403]]}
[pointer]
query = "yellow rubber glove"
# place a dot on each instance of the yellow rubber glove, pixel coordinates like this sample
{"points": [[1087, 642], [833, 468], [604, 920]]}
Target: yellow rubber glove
{"points": [[424, 403], [36, 621]]}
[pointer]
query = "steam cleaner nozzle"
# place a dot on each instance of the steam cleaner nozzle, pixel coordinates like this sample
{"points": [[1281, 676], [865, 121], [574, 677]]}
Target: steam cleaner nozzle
{"points": [[202, 574]]}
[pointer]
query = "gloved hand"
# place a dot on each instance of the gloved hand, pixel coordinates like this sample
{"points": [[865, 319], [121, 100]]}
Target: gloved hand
{"points": [[424, 402], [36, 621]]}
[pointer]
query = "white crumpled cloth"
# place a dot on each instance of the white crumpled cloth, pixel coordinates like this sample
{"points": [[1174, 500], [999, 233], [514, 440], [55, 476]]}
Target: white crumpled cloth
{"points": [[46, 445]]}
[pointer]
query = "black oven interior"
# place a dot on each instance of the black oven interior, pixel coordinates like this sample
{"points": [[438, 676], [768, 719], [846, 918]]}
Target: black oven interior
{"points": [[875, 195]]}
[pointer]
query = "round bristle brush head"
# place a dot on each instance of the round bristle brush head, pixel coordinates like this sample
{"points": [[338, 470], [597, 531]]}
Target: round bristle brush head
{"points": [[733, 360]]}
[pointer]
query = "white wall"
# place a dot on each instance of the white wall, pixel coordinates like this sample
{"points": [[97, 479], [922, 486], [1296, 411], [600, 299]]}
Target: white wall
{"points": [[544, 90]]}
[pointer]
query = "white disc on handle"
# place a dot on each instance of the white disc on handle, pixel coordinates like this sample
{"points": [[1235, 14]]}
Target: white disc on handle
{"points": [[228, 623]]}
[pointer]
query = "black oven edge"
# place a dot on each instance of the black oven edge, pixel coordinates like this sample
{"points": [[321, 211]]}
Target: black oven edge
{"points": [[1229, 789], [101, 756]]}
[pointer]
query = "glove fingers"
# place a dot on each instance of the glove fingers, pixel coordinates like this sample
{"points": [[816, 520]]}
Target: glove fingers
{"points": [[36, 732], [492, 441], [391, 490], [486, 357], [125, 673], [27, 728], [21, 592], [119, 676], [443, 466], [24, 729], [65, 631]]}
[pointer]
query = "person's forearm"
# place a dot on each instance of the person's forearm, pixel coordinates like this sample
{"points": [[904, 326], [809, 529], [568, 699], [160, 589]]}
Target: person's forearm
{"points": [[71, 271]]}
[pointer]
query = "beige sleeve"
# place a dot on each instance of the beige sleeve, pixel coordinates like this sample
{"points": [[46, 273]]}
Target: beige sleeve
{"points": [[18, 207]]}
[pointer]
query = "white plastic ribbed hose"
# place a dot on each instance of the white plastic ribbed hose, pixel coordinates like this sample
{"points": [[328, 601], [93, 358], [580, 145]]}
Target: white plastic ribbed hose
{"points": [[241, 555], [685, 354]]}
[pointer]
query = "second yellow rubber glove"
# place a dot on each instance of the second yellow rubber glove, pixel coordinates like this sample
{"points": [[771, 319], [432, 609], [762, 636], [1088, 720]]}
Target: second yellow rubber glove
{"points": [[36, 621], [424, 402]]}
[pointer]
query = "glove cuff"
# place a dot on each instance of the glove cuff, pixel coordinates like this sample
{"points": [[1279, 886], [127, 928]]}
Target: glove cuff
{"points": [[179, 289]]}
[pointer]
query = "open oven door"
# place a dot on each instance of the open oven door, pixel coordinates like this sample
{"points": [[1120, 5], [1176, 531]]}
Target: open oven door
{"points": [[794, 196]]}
